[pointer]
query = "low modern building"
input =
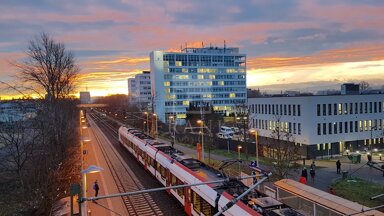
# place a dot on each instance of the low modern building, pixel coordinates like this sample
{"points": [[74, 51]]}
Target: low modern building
{"points": [[85, 97], [197, 76], [322, 125], [17, 110], [139, 88]]}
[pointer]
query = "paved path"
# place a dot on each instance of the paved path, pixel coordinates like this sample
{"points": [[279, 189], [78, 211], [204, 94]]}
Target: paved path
{"points": [[114, 206], [325, 171]]}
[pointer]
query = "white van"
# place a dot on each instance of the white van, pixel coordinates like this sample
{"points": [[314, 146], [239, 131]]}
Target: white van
{"points": [[226, 130]]}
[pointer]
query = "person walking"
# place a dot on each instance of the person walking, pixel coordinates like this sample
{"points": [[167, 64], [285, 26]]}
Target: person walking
{"points": [[313, 165], [304, 173], [338, 166], [312, 173], [96, 188]]}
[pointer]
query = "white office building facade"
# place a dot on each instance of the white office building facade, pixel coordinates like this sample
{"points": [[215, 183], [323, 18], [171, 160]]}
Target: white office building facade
{"points": [[214, 76], [322, 125], [139, 88]]}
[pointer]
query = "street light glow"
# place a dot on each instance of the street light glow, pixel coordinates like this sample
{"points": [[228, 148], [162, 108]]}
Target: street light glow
{"points": [[239, 147]]}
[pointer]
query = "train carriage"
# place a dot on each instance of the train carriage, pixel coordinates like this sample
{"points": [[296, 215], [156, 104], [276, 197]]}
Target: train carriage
{"points": [[172, 167]]}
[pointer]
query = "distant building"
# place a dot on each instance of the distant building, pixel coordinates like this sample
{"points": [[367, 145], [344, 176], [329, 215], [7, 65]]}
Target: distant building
{"points": [[350, 88], [198, 76], [322, 125], [139, 88], [17, 110], [85, 97]]}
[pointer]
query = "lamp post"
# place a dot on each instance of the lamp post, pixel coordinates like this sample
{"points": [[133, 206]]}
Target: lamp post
{"points": [[154, 115], [257, 145], [90, 169], [146, 113], [201, 123], [370, 141], [238, 151]]}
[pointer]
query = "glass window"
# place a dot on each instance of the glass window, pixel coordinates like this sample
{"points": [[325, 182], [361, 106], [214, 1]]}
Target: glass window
{"points": [[356, 108], [334, 109], [335, 127], [298, 110], [375, 107], [329, 109], [350, 108], [285, 109], [324, 129], [294, 128], [340, 107], [366, 107], [289, 110], [299, 128], [294, 110], [340, 127], [324, 109], [356, 126], [345, 127], [370, 107], [351, 127], [330, 129], [345, 108], [318, 110], [318, 129], [361, 107]]}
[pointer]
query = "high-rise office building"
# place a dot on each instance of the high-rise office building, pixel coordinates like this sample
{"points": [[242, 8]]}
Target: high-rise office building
{"points": [[139, 88], [198, 76]]}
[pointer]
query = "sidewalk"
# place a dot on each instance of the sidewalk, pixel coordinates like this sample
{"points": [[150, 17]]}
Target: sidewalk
{"points": [[325, 171], [94, 156]]}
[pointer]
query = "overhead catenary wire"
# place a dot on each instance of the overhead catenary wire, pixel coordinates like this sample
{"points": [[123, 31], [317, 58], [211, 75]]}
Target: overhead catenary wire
{"points": [[172, 187], [236, 199]]}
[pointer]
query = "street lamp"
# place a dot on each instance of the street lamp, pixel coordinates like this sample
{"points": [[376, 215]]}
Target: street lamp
{"points": [[370, 141], [257, 144], [239, 147], [90, 169], [154, 114], [201, 123], [146, 113]]}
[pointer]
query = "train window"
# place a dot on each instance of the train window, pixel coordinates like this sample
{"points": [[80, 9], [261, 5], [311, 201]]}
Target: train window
{"points": [[196, 199], [207, 208], [176, 181], [200, 205]]}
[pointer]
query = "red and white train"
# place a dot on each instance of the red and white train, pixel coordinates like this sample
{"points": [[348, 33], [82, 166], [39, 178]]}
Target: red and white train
{"points": [[172, 167]]}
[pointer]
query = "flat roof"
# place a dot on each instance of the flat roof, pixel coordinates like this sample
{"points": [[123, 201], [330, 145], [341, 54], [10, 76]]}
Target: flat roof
{"points": [[328, 200]]}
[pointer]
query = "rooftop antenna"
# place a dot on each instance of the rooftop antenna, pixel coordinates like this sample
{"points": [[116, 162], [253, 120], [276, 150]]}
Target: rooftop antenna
{"points": [[202, 44], [186, 45], [181, 47], [210, 45], [224, 46]]}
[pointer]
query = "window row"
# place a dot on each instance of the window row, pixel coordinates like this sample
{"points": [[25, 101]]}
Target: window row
{"points": [[288, 127], [349, 108], [202, 76], [349, 126], [203, 83], [213, 102], [276, 109], [210, 89], [204, 70], [202, 60]]}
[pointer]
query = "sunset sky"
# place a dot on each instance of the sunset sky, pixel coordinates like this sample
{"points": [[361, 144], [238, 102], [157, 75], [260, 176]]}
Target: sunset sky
{"points": [[290, 44]]}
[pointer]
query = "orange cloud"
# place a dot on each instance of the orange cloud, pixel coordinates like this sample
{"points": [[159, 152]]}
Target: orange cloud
{"points": [[361, 53]]}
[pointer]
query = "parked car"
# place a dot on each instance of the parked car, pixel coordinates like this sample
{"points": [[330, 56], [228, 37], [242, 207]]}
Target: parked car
{"points": [[225, 136]]}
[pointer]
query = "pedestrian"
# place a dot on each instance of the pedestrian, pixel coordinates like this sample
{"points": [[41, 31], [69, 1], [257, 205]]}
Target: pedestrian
{"points": [[302, 180], [304, 173], [172, 143], [96, 188], [312, 173], [338, 166], [313, 165]]}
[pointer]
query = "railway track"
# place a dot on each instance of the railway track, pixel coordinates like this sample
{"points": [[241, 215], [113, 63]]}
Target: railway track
{"points": [[126, 179]]}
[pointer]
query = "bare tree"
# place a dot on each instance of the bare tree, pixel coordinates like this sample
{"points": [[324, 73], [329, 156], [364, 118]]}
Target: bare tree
{"points": [[364, 86], [282, 148], [50, 69]]}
